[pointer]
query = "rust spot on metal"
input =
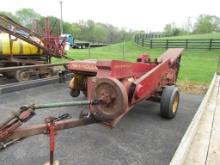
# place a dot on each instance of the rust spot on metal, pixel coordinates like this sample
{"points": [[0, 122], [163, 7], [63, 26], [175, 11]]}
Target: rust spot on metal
{"points": [[112, 96]]}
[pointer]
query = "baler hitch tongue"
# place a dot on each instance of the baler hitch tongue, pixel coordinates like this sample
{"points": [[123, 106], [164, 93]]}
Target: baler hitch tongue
{"points": [[25, 113]]}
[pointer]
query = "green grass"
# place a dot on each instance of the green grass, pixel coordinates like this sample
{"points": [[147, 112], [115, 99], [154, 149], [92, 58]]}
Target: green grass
{"points": [[114, 51], [196, 36], [197, 66]]}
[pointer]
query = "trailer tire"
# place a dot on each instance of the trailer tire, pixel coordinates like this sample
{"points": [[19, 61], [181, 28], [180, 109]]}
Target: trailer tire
{"points": [[169, 102], [48, 74], [22, 75]]}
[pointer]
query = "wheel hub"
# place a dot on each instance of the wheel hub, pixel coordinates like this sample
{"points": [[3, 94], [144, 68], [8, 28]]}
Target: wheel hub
{"points": [[175, 103], [112, 96]]}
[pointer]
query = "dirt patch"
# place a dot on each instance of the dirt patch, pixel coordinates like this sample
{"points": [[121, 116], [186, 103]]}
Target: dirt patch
{"points": [[192, 88]]}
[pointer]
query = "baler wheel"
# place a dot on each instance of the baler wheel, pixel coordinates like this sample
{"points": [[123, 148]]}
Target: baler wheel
{"points": [[74, 92], [169, 102]]}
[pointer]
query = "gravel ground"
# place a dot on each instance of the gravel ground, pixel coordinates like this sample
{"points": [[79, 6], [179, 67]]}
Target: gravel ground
{"points": [[142, 137]]}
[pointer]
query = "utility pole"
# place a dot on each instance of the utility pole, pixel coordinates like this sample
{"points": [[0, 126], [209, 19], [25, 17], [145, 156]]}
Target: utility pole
{"points": [[61, 17], [189, 24]]}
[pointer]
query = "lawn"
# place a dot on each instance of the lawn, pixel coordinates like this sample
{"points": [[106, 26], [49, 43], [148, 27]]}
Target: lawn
{"points": [[196, 36], [197, 66]]}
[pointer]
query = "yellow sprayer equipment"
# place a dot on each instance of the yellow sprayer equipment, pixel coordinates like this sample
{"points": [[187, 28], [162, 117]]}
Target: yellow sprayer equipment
{"points": [[20, 46]]}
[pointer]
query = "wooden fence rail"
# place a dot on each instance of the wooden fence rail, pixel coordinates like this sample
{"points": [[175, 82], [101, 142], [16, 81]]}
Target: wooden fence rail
{"points": [[180, 43]]}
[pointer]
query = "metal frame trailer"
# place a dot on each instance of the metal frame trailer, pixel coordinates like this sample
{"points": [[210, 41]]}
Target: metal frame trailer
{"points": [[47, 46]]}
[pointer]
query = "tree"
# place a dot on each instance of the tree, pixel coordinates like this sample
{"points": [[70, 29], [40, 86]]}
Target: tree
{"points": [[207, 24], [76, 30], [83, 30], [100, 33], [173, 30], [168, 29], [10, 15], [53, 23], [26, 16]]}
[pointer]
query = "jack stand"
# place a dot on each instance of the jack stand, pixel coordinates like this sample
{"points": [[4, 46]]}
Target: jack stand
{"points": [[51, 130]]}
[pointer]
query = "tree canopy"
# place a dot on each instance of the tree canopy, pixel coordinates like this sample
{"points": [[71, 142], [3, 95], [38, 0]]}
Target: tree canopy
{"points": [[207, 24], [204, 24], [107, 33], [82, 30]]}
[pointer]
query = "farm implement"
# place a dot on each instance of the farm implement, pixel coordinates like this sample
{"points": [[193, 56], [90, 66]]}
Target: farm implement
{"points": [[112, 88], [21, 47]]}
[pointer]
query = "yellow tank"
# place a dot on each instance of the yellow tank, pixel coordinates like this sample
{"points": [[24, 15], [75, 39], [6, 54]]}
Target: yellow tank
{"points": [[19, 47]]}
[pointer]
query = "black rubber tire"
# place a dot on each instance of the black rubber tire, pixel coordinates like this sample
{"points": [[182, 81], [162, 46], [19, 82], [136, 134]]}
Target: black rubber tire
{"points": [[167, 108], [74, 92], [85, 93]]}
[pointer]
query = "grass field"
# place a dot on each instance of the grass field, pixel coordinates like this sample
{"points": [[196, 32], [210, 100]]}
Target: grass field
{"points": [[196, 36], [197, 66]]}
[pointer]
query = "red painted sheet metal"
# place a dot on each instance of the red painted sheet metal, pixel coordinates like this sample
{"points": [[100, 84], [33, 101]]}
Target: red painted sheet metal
{"points": [[83, 66], [171, 54], [141, 68], [150, 81], [122, 69], [114, 68]]}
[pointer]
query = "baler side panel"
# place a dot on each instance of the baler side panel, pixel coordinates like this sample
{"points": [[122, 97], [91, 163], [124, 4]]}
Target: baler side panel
{"points": [[161, 75], [122, 69], [150, 81]]}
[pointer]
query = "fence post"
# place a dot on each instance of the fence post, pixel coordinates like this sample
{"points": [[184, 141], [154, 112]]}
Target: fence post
{"points": [[186, 46], [89, 51], [138, 39], [142, 41], [218, 67], [210, 44], [151, 44], [167, 43]]}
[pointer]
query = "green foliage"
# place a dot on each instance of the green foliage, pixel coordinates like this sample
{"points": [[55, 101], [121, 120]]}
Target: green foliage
{"points": [[203, 24], [26, 16], [10, 15], [73, 29], [83, 30], [207, 24], [172, 30], [53, 24], [99, 32]]}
